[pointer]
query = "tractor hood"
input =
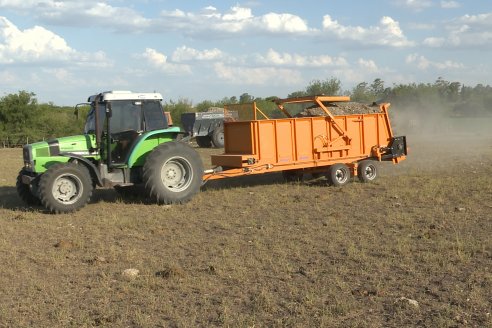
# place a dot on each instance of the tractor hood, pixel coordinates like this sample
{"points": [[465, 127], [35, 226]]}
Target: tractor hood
{"points": [[82, 145], [40, 155]]}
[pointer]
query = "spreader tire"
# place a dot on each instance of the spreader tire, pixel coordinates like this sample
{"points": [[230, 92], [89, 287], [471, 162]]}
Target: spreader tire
{"points": [[338, 175], [26, 192], [218, 137], [367, 171], [65, 187], [172, 173], [204, 141]]}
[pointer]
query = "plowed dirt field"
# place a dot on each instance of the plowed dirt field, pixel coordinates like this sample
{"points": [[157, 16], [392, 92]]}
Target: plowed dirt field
{"points": [[414, 248]]}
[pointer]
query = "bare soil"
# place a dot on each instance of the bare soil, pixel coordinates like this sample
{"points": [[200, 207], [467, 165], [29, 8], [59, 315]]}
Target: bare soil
{"points": [[412, 249]]}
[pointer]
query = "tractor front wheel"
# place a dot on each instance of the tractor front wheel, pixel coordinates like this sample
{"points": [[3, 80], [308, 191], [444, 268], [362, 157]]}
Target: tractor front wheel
{"points": [[65, 187], [27, 192], [172, 173]]}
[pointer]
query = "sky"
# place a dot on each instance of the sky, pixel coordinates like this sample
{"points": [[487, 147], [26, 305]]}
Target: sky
{"points": [[64, 51]]}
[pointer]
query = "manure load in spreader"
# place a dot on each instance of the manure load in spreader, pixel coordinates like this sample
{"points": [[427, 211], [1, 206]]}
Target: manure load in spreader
{"points": [[342, 108]]}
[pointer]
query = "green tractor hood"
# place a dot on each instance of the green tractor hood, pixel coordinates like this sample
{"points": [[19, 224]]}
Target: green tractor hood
{"points": [[39, 156]]}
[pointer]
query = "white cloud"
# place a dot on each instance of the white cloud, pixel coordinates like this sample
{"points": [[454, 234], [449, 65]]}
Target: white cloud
{"points": [[34, 44], [450, 4], [283, 23], [424, 64], [362, 70], [185, 53], [257, 75], [434, 42], [417, 5], [387, 33], [295, 60], [159, 60], [38, 44], [468, 31], [368, 65], [91, 13], [237, 14], [208, 21]]}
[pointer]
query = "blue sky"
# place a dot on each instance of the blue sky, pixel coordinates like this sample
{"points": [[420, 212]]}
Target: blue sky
{"points": [[64, 51]]}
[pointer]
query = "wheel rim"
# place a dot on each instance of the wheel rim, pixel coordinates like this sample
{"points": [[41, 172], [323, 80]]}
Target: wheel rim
{"points": [[341, 175], [370, 172], [67, 189], [220, 137], [177, 174]]}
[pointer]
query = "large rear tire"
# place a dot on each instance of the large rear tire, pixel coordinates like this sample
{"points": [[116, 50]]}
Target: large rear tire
{"points": [[218, 137], [338, 175], [204, 141], [367, 171], [27, 192], [172, 173], [65, 187]]}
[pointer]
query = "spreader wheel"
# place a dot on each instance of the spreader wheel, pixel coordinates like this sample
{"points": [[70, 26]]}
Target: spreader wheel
{"points": [[218, 137], [367, 171], [338, 175]]}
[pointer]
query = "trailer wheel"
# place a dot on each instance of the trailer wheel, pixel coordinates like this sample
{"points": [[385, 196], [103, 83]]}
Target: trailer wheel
{"points": [[338, 175], [292, 175], [204, 141], [27, 192], [65, 187], [367, 171], [218, 137], [172, 173]]}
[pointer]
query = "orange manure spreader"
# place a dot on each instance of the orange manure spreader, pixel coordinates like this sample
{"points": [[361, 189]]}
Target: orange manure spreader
{"points": [[327, 136]]}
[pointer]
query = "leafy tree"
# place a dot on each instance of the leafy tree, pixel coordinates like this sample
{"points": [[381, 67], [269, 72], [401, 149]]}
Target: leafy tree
{"points": [[246, 98], [176, 108], [361, 93], [329, 87]]}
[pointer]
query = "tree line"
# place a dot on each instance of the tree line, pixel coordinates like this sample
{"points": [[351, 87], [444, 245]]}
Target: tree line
{"points": [[23, 119]]}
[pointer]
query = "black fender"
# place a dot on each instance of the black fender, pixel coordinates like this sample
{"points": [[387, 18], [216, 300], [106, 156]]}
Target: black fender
{"points": [[90, 166]]}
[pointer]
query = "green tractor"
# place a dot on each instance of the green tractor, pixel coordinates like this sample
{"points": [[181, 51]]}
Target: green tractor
{"points": [[127, 142]]}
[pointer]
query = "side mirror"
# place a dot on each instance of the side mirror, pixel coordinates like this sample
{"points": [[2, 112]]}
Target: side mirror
{"points": [[76, 110]]}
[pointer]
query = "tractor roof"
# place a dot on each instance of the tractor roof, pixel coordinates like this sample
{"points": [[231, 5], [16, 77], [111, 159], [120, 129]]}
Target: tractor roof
{"points": [[126, 95]]}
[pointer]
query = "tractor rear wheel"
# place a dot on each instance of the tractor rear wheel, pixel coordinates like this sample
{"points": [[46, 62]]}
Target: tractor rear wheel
{"points": [[204, 141], [65, 187], [218, 137], [27, 193], [367, 171], [172, 173], [338, 175]]}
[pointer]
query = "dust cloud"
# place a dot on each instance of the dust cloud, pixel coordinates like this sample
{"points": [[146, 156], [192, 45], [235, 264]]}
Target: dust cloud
{"points": [[439, 140]]}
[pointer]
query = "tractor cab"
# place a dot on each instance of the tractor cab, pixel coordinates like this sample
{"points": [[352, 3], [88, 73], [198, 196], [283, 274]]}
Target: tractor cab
{"points": [[119, 118]]}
